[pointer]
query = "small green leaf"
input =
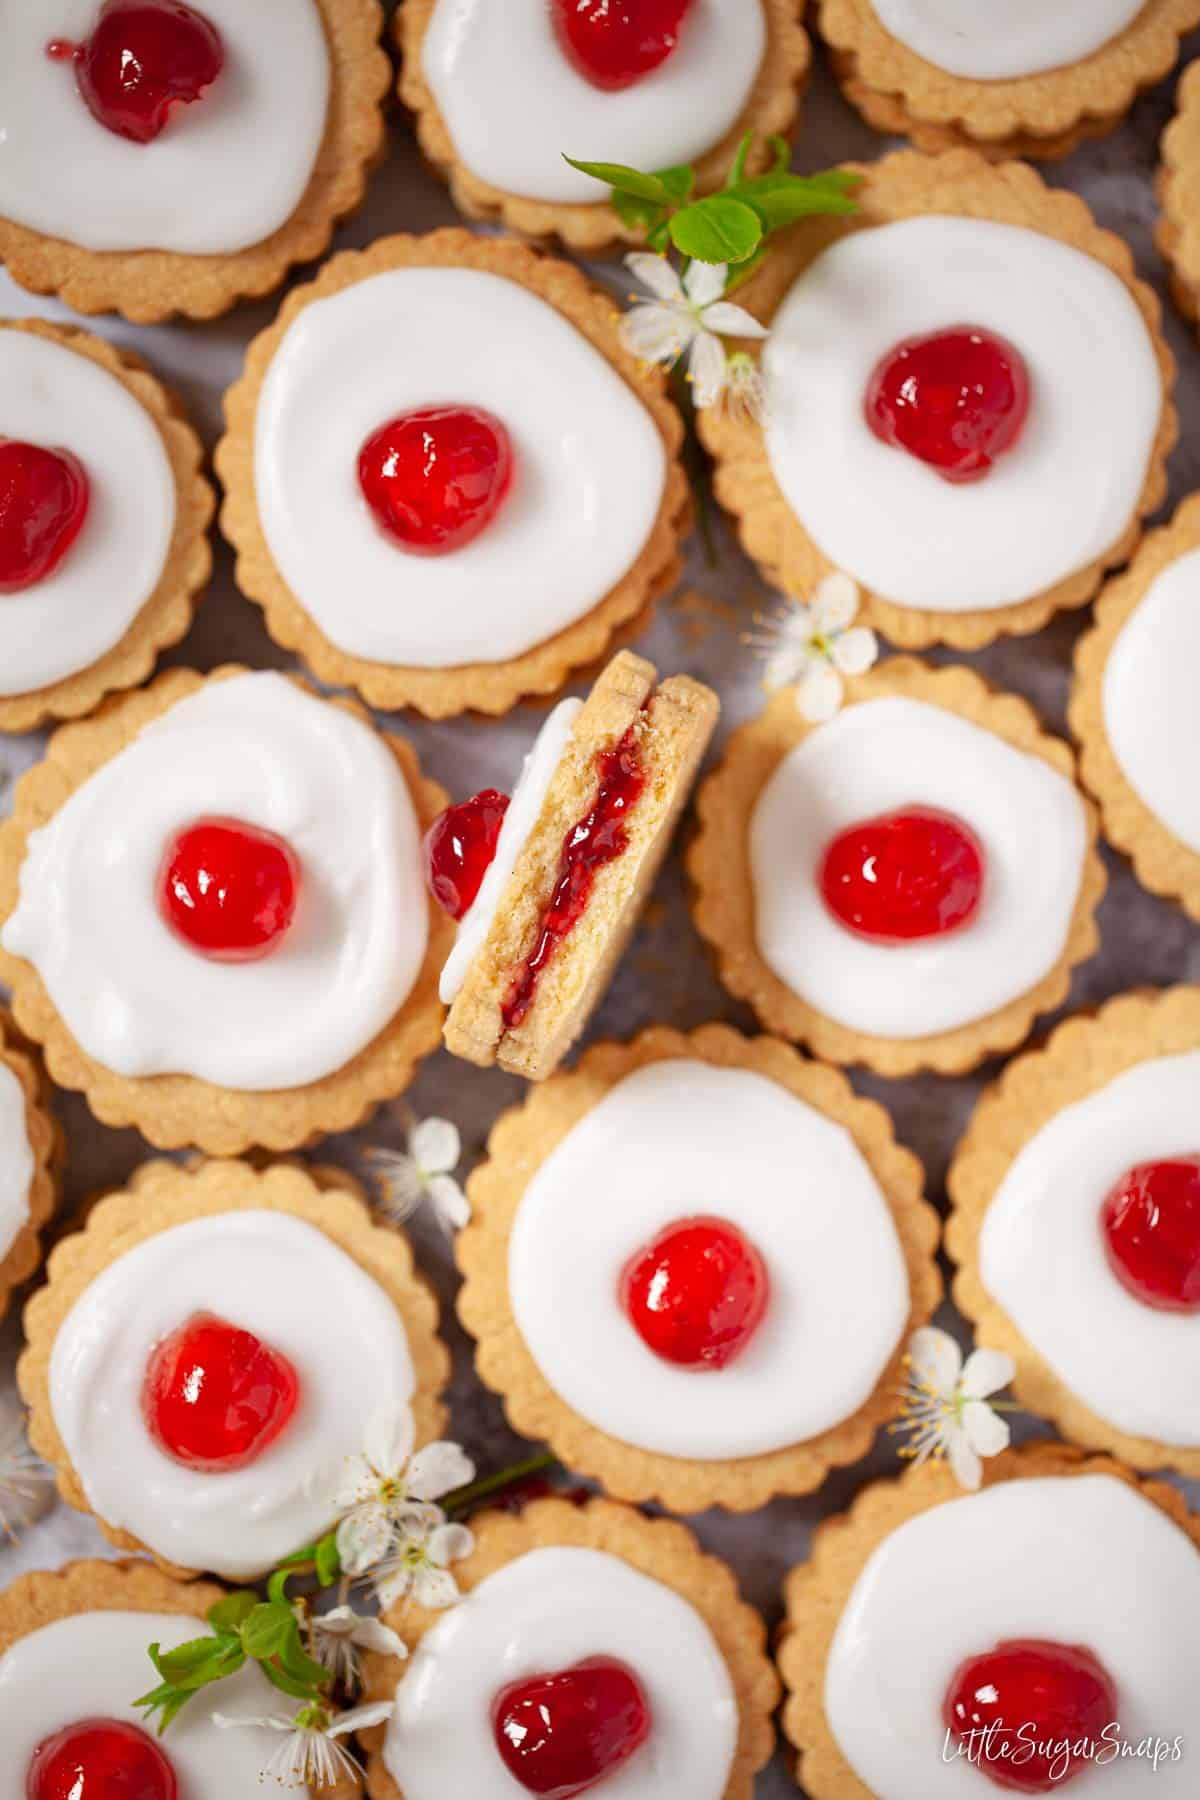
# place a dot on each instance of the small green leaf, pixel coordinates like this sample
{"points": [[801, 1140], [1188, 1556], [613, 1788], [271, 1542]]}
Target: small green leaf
{"points": [[660, 238], [738, 167], [328, 1560], [678, 181], [719, 229], [171, 1664], [624, 180], [232, 1610], [294, 1661], [739, 276], [781, 151], [639, 215], [287, 1684], [266, 1629], [780, 199], [277, 1586]]}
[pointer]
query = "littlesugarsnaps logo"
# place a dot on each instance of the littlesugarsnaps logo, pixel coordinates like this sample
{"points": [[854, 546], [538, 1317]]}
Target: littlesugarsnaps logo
{"points": [[1055, 1758]]}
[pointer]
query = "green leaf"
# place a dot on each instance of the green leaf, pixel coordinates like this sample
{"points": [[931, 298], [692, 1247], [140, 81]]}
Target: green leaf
{"points": [[780, 149], [624, 180], [719, 229], [328, 1560], [780, 199], [287, 1684], [277, 1587], [294, 1661], [678, 181], [232, 1610], [739, 276], [185, 1667], [639, 215], [266, 1629], [738, 167], [660, 238]]}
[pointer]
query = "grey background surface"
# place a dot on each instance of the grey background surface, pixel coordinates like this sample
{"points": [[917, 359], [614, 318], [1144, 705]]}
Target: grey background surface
{"points": [[666, 976]]}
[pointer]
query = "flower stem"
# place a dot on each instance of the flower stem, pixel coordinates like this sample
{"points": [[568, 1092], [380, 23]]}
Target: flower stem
{"points": [[488, 1485]]}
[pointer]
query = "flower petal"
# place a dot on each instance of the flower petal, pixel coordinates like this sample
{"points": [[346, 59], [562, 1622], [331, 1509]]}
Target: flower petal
{"points": [[936, 1360], [392, 1589], [986, 1432], [356, 1481], [656, 332], [339, 1621], [854, 651], [435, 1588], [705, 282], [266, 1722], [819, 693], [402, 1186], [373, 1634], [435, 1146], [786, 664], [451, 1205], [388, 1439], [363, 1537], [706, 368], [986, 1372], [438, 1469], [732, 321], [834, 602], [450, 1543], [361, 1718], [964, 1463], [657, 273]]}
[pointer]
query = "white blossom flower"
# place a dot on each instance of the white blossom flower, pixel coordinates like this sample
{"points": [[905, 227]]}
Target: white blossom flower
{"points": [[338, 1636], [25, 1481], [687, 315], [814, 645], [945, 1409], [386, 1483], [424, 1173], [418, 1567], [745, 393], [310, 1755]]}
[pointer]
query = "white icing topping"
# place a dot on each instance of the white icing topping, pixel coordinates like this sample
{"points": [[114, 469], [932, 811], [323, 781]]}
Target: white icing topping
{"points": [[588, 478], [16, 1160], [53, 397], [268, 1273], [1073, 1560], [672, 1140], [1136, 1367], [880, 756], [515, 105], [537, 772], [541, 1614], [141, 1000], [92, 1665], [1149, 698], [65, 174], [989, 42], [1054, 502]]}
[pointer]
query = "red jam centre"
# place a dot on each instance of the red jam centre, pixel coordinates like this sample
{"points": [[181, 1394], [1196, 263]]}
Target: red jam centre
{"points": [[559, 1735], [1044, 1692], [459, 847], [100, 1759], [954, 399], [43, 503], [229, 889], [613, 43], [697, 1293], [597, 839], [143, 58], [1151, 1222], [917, 873], [436, 478], [215, 1397]]}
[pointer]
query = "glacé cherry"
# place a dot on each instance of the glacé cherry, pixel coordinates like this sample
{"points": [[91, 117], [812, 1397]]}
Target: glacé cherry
{"points": [[697, 1293], [43, 503], [435, 478], [459, 847], [613, 43], [560, 1734], [229, 889], [143, 58], [915, 873], [100, 1759], [215, 1396], [1151, 1224], [954, 399], [1042, 1693]]}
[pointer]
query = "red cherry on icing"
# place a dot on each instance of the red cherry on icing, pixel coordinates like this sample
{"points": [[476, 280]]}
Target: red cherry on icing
{"points": [[143, 58], [459, 847], [229, 889], [100, 1759], [697, 1293], [43, 503], [955, 399], [1151, 1222], [214, 1396], [916, 873], [561, 1734], [613, 43], [1055, 1692], [436, 478]]}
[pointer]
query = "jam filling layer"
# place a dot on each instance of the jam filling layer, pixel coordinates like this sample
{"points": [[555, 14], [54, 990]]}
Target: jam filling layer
{"points": [[596, 840]]}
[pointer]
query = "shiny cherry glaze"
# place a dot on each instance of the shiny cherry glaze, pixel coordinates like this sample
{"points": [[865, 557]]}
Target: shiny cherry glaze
{"points": [[436, 478], [459, 847], [560, 1735], [1151, 1222], [143, 58], [613, 43], [1055, 1691], [215, 1397], [43, 503], [697, 1293], [916, 873], [954, 399], [100, 1759], [229, 889], [598, 838]]}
